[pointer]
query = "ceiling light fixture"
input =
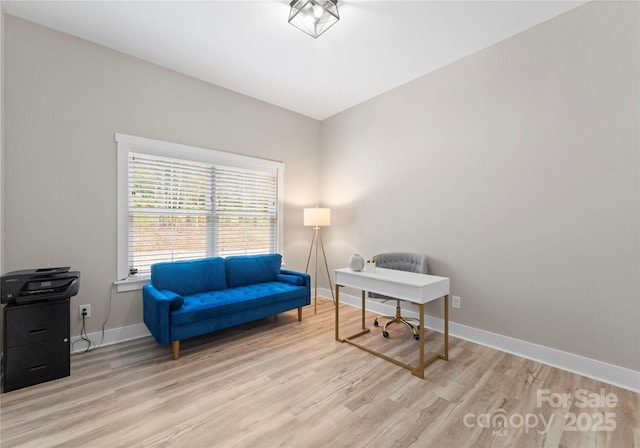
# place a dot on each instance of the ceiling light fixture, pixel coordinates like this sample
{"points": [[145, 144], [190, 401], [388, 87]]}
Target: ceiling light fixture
{"points": [[314, 17]]}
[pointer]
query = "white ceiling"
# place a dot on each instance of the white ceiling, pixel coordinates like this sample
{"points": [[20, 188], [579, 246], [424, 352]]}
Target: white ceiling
{"points": [[248, 46]]}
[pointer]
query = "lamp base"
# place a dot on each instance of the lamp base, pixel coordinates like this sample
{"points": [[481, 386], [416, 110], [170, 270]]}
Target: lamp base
{"points": [[317, 237]]}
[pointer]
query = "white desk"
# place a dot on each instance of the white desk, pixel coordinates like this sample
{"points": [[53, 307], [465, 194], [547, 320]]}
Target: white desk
{"points": [[407, 286]]}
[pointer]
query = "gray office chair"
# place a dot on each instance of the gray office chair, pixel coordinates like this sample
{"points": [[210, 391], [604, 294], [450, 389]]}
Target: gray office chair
{"points": [[402, 261]]}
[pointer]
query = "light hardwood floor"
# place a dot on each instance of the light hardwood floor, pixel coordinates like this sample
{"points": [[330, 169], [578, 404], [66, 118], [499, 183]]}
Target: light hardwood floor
{"points": [[283, 383]]}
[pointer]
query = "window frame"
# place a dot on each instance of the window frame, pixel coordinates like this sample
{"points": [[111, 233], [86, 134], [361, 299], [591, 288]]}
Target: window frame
{"points": [[130, 143]]}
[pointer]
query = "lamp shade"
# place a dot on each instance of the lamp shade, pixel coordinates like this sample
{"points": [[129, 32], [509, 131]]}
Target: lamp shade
{"points": [[318, 217], [314, 17]]}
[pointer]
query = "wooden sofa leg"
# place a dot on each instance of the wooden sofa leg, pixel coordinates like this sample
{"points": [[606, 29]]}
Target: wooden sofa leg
{"points": [[300, 314], [176, 349]]}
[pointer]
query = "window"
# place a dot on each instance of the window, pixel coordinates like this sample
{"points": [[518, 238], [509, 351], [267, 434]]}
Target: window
{"points": [[178, 202]]}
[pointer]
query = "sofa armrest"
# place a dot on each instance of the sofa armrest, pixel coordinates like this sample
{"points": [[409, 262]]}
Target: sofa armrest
{"points": [[157, 306], [291, 279], [305, 277]]}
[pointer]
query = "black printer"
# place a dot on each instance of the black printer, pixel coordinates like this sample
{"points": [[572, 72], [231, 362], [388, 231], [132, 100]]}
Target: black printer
{"points": [[35, 285]]}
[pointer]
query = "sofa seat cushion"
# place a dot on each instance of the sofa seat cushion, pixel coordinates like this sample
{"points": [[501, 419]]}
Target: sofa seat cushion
{"points": [[216, 304]]}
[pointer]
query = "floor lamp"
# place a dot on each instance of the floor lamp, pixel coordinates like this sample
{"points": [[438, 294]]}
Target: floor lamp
{"points": [[318, 217]]}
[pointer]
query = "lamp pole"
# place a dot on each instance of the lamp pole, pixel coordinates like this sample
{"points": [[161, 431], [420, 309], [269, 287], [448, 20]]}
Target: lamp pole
{"points": [[314, 239]]}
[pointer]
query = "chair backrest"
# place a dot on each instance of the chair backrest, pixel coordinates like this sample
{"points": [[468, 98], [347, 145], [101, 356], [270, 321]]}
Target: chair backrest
{"points": [[402, 261]]}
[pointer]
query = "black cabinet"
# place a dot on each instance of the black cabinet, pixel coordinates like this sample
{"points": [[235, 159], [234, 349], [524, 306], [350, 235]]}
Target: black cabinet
{"points": [[36, 343]]}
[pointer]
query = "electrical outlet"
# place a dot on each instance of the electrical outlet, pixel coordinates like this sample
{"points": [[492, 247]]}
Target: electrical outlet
{"points": [[455, 302], [86, 309]]}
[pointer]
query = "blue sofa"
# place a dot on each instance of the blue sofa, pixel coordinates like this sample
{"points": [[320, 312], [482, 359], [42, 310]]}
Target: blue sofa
{"points": [[195, 297]]}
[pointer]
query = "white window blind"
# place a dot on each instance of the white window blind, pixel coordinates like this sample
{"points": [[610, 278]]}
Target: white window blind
{"points": [[169, 210], [195, 205], [245, 211]]}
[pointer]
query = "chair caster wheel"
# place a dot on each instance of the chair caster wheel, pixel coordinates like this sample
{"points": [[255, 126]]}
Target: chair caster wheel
{"points": [[385, 334], [375, 323], [416, 337]]}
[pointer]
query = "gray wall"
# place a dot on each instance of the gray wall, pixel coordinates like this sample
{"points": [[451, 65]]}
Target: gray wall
{"points": [[65, 99], [516, 170]]}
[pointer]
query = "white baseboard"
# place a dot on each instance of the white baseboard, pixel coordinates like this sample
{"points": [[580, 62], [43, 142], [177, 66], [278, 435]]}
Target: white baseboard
{"points": [[598, 370], [112, 336]]}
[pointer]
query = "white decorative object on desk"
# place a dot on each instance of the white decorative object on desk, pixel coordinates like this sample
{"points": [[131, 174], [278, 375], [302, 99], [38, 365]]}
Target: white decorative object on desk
{"points": [[356, 262], [370, 267]]}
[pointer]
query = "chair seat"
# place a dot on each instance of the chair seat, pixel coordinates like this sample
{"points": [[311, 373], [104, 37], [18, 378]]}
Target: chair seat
{"points": [[215, 304]]}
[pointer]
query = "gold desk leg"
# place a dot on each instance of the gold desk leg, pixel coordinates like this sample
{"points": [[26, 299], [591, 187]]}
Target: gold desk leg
{"points": [[337, 312], [419, 372], [445, 355], [423, 363], [363, 307], [364, 328]]}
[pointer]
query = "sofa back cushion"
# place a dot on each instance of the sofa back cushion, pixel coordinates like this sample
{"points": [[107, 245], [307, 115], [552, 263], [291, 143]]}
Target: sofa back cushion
{"points": [[191, 276], [250, 269]]}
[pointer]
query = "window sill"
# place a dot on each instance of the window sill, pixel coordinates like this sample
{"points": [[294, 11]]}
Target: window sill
{"points": [[132, 283]]}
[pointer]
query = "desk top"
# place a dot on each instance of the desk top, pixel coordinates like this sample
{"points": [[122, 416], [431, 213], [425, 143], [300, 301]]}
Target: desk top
{"points": [[409, 286]]}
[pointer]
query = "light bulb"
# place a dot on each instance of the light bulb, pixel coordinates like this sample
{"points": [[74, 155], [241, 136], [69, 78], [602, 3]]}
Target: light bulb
{"points": [[317, 11], [310, 21]]}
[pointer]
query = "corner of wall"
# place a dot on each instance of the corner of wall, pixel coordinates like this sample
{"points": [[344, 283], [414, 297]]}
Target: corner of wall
{"points": [[1, 145], [1, 137]]}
